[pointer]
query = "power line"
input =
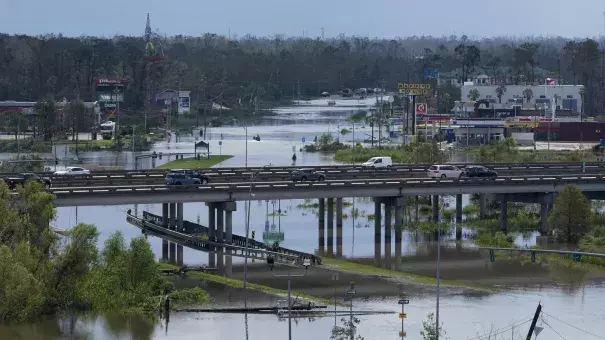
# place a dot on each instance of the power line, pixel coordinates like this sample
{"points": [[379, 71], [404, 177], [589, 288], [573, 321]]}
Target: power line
{"points": [[554, 330], [570, 325], [502, 330]]}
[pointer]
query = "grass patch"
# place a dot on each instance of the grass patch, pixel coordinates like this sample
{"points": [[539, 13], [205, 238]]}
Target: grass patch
{"points": [[98, 142], [192, 163], [256, 287], [362, 269]]}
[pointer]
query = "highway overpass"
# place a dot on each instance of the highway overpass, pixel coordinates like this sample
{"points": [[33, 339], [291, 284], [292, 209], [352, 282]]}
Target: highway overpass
{"points": [[395, 187]]}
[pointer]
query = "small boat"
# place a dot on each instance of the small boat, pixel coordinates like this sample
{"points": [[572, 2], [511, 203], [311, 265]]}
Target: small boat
{"points": [[331, 103]]}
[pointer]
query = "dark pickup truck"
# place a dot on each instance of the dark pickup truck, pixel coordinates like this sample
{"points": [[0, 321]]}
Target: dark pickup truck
{"points": [[21, 179]]}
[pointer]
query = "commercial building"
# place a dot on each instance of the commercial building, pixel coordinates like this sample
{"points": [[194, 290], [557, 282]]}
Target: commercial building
{"points": [[566, 98]]}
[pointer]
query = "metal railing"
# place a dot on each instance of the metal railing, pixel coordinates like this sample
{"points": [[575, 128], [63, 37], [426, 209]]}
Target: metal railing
{"points": [[197, 243], [288, 185], [577, 255], [329, 169]]}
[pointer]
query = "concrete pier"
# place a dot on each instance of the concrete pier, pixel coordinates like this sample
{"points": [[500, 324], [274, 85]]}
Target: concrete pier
{"points": [[398, 230], [211, 232], [220, 227], [229, 208], [179, 227], [482, 206], [339, 227], [330, 226], [388, 208], [458, 217], [377, 231], [172, 226], [321, 228], [543, 219], [435, 203], [165, 224], [504, 215]]}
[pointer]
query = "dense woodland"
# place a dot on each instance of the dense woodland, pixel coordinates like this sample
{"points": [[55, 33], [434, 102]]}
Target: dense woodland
{"points": [[236, 71]]}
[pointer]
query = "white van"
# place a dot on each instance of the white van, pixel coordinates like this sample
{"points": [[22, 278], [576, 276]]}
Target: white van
{"points": [[378, 163]]}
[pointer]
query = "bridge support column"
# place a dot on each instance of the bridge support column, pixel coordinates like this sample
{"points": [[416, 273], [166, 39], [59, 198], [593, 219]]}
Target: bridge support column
{"points": [[179, 227], [229, 208], [339, 227], [220, 227], [482, 206], [172, 246], [330, 226], [211, 232], [458, 217], [321, 228], [543, 219], [377, 231], [398, 230], [435, 202], [388, 206], [165, 223], [504, 215]]}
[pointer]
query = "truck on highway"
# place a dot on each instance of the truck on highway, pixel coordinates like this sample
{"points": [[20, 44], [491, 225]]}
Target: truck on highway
{"points": [[21, 179]]}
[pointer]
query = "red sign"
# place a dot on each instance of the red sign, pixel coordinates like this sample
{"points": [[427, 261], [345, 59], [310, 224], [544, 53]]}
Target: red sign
{"points": [[420, 108]]}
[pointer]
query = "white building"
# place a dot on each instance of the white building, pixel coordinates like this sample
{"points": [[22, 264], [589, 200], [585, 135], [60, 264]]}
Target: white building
{"points": [[565, 97]]}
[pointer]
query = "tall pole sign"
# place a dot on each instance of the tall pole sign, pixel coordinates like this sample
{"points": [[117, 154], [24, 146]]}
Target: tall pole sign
{"points": [[413, 90]]}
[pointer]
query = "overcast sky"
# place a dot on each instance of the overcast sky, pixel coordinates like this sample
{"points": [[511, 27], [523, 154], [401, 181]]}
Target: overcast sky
{"points": [[376, 18]]}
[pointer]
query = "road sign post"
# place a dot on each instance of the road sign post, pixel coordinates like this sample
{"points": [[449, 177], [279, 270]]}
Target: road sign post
{"points": [[403, 301]]}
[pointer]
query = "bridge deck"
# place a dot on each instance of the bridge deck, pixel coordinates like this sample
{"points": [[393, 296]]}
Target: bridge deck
{"points": [[152, 224]]}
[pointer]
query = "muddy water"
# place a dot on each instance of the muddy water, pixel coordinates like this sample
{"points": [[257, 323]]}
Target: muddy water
{"points": [[566, 294]]}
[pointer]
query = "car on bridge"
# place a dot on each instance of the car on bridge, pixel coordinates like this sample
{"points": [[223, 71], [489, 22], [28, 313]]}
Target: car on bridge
{"points": [[175, 178], [303, 175], [21, 179], [204, 179], [444, 171], [478, 171], [72, 171], [378, 163]]}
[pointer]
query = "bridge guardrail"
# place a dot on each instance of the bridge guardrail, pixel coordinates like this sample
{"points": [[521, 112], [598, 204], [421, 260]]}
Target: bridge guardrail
{"points": [[329, 169], [288, 185], [151, 177], [237, 240], [207, 245]]}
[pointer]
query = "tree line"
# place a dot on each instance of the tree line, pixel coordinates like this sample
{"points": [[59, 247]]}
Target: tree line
{"points": [[46, 274], [243, 71]]}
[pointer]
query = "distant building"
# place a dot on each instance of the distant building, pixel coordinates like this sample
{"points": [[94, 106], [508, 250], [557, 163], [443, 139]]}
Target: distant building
{"points": [[565, 97], [170, 98]]}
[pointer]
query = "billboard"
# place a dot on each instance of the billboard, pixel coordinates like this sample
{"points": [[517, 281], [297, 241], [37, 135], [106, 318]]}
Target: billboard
{"points": [[111, 82], [414, 89]]}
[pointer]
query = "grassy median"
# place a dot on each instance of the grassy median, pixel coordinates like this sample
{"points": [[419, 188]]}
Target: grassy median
{"points": [[362, 269], [192, 163]]}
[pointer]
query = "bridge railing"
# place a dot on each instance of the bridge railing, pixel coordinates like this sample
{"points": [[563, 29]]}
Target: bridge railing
{"points": [[576, 255], [329, 169], [206, 245], [237, 240], [357, 183]]}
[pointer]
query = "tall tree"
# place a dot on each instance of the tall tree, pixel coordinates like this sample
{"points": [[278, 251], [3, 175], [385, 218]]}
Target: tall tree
{"points": [[571, 215], [469, 56]]}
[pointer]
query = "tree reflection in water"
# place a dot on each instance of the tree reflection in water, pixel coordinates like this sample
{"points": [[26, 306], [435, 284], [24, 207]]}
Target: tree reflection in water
{"points": [[129, 326]]}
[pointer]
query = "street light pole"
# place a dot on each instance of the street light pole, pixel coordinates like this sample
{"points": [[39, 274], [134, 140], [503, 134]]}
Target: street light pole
{"points": [[438, 280], [290, 276], [252, 177]]}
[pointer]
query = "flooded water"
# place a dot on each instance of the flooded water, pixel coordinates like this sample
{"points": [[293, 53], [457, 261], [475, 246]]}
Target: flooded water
{"points": [[566, 295]]}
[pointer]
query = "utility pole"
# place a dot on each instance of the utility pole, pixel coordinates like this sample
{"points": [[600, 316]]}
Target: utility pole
{"points": [[119, 114], [533, 322]]}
